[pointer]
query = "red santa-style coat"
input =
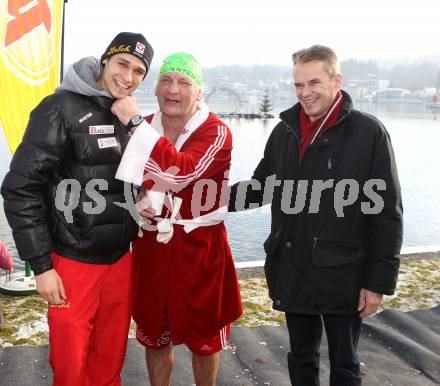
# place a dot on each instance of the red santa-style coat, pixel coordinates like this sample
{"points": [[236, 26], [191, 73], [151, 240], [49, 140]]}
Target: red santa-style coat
{"points": [[192, 276]]}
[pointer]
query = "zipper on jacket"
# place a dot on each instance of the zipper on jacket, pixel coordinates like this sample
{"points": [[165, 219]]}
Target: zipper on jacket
{"points": [[336, 123], [320, 127], [124, 144], [329, 164], [335, 244], [123, 141], [297, 139]]}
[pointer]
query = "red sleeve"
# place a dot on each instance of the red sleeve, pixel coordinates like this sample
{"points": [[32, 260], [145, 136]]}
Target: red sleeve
{"points": [[205, 153]]}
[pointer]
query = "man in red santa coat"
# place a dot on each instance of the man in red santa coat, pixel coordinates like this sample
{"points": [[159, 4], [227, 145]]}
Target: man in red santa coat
{"points": [[185, 285]]}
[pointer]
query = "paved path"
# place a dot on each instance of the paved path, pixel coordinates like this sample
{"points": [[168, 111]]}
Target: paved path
{"points": [[396, 348]]}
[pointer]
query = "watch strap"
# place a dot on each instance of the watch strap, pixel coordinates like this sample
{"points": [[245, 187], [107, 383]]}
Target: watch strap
{"points": [[136, 120]]}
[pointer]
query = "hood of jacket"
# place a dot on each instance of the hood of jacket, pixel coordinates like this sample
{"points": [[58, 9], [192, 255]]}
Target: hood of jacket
{"points": [[82, 78]]}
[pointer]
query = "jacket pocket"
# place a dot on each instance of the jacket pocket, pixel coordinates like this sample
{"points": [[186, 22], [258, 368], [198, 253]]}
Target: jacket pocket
{"points": [[332, 252], [338, 266], [273, 249], [272, 245]]}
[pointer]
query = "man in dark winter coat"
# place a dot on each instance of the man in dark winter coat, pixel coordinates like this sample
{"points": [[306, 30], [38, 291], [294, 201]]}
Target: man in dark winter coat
{"points": [[329, 173], [59, 198]]}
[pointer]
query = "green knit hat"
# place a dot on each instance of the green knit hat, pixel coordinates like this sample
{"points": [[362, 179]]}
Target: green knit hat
{"points": [[185, 64]]}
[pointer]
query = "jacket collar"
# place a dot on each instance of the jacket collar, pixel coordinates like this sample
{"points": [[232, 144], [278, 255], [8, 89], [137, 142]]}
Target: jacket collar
{"points": [[200, 116], [103, 102]]}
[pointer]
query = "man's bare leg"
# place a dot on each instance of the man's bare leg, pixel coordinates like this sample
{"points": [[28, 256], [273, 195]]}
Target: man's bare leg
{"points": [[205, 369], [160, 365]]}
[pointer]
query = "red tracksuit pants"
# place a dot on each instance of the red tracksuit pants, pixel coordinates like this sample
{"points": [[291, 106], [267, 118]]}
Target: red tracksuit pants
{"points": [[88, 333]]}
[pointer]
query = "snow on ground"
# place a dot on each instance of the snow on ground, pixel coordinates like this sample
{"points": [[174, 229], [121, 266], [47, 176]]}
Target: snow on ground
{"points": [[418, 288]]}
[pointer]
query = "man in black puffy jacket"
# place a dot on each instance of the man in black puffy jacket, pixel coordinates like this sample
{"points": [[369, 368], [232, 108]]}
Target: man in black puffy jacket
{"points": [[336, 218], [60, 198]]}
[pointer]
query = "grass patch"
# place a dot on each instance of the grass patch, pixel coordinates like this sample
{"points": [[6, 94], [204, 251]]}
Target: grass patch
{"points": [[8, 331], [34, 303], [418, 287]]}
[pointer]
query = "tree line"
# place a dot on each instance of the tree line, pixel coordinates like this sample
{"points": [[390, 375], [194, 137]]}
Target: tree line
{"points": [[411, 76]]}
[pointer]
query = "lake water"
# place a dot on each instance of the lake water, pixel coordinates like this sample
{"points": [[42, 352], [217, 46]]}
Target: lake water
{"points": [[415, 134]]}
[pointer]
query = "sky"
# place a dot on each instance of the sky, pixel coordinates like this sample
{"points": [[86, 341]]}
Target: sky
{"points": [[251, 32]]}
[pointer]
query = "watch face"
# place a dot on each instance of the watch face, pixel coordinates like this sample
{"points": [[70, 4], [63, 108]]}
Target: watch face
{"points": [[137, 120]]}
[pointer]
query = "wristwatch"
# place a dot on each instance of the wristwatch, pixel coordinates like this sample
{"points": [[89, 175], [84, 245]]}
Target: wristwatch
{"points": [[134, 121]]}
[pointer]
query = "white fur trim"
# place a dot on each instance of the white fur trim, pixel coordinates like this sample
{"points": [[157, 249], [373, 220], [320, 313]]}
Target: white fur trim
{"points": [[137, 153]]}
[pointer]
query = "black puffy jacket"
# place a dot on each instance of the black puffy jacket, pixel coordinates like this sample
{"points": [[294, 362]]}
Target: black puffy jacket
{"points": [[75, 137], [317, 260]]}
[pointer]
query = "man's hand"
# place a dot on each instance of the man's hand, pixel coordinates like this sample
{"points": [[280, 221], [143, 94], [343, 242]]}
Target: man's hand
{"points": [[125, 108], [144, 207], [147, 214], [369, 301], [50, 287]]}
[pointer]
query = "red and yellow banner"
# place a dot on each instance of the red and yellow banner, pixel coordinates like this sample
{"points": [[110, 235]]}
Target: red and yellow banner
{"points": [[30, 60]]}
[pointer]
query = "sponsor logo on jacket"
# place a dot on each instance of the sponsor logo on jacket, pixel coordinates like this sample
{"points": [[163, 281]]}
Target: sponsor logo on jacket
{"points": [[101, 129], [85, 117]]}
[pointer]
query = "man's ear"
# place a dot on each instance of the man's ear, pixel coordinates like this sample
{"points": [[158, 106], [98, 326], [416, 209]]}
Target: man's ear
{"points": [[338, 79], [199, 95]]}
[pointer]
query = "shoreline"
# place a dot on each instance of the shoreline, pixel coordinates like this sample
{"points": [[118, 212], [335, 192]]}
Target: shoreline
{"points": [[418, 287], [251, 269]]}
